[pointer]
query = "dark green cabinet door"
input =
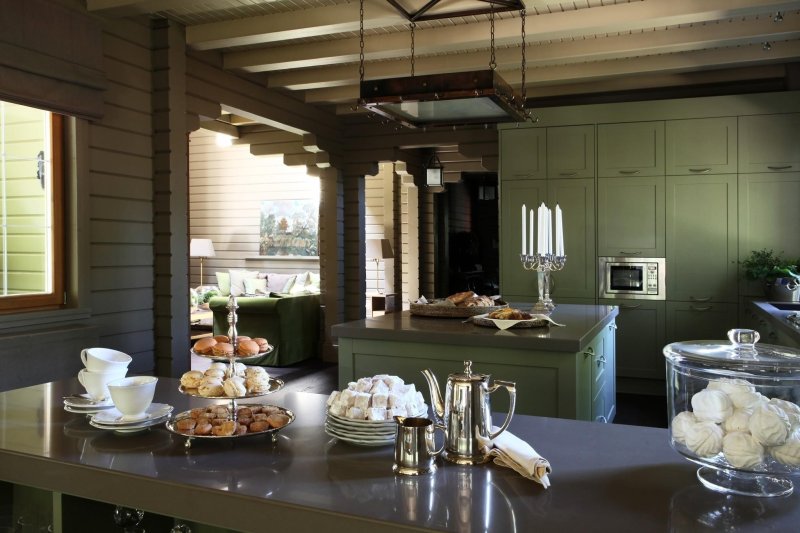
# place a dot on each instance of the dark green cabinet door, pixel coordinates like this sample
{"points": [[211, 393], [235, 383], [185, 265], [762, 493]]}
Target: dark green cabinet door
{"points": [[630, 216], [570, 152], [577, 199], [768, 143], [700, 321], [702, 238], [515, 282], [640, 338], [523, 153], [769, 217], [630, 149], [701, 146]]}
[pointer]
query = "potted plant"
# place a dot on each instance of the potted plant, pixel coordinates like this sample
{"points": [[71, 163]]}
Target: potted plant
{"points": [[206, 296], [780, 276]]}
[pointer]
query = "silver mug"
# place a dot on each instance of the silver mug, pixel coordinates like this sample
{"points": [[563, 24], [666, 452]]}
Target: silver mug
{"points": [[415, 451]]}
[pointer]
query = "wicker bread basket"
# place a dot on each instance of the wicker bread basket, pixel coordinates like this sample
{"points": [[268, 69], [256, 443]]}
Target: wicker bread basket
{"points": [[433, 309]]}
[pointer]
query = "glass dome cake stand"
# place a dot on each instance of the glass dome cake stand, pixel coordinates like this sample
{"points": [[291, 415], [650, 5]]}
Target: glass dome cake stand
{"points": [[733, 410]]}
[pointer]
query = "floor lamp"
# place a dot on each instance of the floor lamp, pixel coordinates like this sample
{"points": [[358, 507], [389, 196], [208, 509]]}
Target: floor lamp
{"points": [[378, 250], [201, 248]]}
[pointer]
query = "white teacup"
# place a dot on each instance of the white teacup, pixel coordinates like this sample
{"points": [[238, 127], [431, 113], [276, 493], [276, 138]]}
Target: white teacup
{"points": [[104, 359], [132, 396], [96, 383]]}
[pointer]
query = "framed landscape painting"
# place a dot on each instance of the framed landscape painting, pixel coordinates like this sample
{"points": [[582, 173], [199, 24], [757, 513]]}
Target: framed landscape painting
{"points": [[289, 228]]}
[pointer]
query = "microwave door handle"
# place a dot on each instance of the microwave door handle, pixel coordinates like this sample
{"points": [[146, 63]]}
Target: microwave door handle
{"points": [[623, 252]]}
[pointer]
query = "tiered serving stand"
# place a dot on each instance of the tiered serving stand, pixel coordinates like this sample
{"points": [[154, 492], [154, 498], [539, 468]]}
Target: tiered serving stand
{"points": [[275, 385]]}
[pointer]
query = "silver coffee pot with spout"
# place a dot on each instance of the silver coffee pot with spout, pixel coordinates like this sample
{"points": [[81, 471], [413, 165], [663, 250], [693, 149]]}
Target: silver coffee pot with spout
{"points": [[466, 414]]}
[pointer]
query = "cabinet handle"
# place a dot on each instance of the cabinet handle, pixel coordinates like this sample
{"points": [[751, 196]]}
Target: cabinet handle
{"points": [[601, 360], [630, 306], [612, 327], [704, 299], [706, 308], [629, 171], [699, 170], [776, 167], [567, 173], [601, 418], [623, 252], [588, 353]]}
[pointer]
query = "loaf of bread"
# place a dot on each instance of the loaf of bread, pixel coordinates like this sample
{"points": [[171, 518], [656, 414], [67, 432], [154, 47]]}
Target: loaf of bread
{"points": [[459, 297], [509, 313]]}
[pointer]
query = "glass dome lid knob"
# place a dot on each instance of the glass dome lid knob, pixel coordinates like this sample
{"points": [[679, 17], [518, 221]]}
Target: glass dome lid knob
{"points": [[744, 340]]}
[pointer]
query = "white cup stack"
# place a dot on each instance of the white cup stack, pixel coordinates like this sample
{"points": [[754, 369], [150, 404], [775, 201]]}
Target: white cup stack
{"points": [[102, 365]]}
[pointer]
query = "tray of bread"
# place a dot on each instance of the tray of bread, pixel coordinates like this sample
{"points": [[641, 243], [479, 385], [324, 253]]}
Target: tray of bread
{"points": [[460, 305], [512, 318], [220, 348], [222, 381], [217, 421]]}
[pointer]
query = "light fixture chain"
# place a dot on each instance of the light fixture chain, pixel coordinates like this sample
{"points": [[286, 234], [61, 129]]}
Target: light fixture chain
{"points": [[413, 26], [524, 94], [361, 41], [492, 60]]}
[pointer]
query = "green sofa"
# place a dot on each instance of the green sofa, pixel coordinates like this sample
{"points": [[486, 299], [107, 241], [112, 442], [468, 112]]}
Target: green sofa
{"points": [[290, 323]]}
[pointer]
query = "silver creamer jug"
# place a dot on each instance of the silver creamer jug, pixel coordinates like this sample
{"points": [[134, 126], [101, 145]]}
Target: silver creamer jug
{"points": [[466, 413]]}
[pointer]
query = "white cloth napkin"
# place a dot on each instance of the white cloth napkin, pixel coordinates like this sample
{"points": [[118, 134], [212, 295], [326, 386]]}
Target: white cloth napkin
{"points": [[505, 324], [511, 451]]}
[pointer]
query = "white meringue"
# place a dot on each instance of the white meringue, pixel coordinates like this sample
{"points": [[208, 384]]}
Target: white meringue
{"points": [[705, 439], [746, 399], [788, 453], [234, 387], [742, 450], [681, 424], [769, 425], [791, 409], [731, 385], [738, 421], [712, 405], [210, 386]]}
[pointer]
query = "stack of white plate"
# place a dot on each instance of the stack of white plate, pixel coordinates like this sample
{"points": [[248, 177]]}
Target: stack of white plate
{"points": [[112, 419], [363, 432], [83, 404]]}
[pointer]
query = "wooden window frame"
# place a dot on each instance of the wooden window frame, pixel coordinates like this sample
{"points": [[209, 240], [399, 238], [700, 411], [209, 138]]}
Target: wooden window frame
{"points": [[54, 299]]}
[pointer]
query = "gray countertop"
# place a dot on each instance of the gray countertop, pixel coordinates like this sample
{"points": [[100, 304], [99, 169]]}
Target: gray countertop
{"points": [[605, 477], [778, 319], [581, 324]]}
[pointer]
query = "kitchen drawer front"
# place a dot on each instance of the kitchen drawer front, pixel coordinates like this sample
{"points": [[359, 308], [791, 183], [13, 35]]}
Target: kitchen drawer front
{"points": [[640, 338], [768, 143], [630, 149], [688, 321], [701, 146]]}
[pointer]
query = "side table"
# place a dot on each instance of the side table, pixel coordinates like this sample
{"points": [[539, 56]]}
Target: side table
{"points": [[200, 324], [383, 302]]}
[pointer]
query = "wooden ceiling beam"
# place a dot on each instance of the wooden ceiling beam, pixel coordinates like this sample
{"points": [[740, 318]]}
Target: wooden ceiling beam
{"points": [[124, 8], [634, 16], [300, 24], [614, 47]]}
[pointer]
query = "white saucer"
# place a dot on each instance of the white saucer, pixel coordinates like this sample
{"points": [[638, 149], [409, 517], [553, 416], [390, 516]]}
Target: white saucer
{"points": [[112, 417], [130, 428], [84, 401], [359, 440], [86, 410]]}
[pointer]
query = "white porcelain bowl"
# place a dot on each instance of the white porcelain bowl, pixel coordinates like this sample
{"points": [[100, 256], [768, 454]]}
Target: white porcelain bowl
{"points": [[104, 359], [132, 396]]}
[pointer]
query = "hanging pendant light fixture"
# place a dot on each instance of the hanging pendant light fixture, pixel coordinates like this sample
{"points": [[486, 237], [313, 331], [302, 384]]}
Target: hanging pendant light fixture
{"points": [[447, 99]]}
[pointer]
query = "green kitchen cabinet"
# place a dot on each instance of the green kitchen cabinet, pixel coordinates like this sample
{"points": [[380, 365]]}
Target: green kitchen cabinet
{"points": [[576, 197], [523, 153], [630, 216], [702, 238], [769, 143], [640, 338], [630, 149], [701, 146], [515, 281], [769, 217], [570, 152], [687, 321], [604, 386]]}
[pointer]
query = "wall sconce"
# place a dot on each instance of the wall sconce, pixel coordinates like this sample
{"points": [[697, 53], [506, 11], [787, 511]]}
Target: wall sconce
{"points": [[434, 173]]}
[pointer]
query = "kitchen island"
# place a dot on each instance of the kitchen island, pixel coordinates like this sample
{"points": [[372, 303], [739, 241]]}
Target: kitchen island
{"points": [[605, 477], [566, 372]]}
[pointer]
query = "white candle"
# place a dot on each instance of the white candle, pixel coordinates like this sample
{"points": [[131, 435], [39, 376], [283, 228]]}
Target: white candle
{"points": [[523, 230], [542, 247], [559, 232], [530, 245], [549, 216]]}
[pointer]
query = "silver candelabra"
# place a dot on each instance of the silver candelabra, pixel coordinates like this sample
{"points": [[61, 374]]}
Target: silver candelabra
{"points": [[543, 264]]}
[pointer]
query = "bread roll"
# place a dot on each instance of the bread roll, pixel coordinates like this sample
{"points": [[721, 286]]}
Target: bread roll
{"points": [[204, 345], [459, 297], [247, 347], [222, 349]]}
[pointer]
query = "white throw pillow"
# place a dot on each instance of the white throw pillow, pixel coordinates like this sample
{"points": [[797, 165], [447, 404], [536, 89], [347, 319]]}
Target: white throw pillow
{"points": [[255, 286], [299, 285], [280, 283], [238, 276]]}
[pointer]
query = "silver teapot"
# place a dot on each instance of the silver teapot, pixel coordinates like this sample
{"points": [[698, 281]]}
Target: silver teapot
{"points": [[466, 414]]}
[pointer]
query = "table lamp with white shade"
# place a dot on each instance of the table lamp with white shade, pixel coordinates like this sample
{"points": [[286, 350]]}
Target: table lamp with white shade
{"points": [[378, 250], [201, 248]]}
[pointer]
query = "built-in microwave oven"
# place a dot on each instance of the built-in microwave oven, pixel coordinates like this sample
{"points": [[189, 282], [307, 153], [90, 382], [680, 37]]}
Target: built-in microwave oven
{"points": [[632, 277]]}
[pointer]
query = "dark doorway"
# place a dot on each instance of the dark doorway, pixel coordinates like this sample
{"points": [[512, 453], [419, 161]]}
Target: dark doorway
{"points": [[467, 243]]}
